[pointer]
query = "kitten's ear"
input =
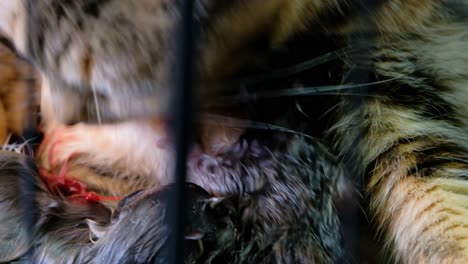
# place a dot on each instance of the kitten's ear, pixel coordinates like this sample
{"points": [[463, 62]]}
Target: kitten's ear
{"points": [[19, 89]]}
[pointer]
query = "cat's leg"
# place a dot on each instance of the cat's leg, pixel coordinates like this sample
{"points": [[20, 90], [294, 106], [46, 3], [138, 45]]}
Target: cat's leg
{"points": [[121, 150], [417, 158], [114, 159]]}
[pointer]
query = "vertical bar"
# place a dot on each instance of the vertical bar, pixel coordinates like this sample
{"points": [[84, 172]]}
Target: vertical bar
{"points": [[28, 195], [180, 124], [354, 218]]}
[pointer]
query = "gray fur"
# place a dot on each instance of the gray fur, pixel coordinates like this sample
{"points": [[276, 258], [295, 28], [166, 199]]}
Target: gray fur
{"points": [[286, 217], [122, 72]]}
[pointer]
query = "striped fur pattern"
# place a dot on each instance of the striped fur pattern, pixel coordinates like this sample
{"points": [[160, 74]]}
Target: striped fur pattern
{"points": [[17, 77], [404, 136]]}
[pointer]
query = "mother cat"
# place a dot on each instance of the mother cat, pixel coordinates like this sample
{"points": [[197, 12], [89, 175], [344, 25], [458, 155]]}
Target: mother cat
{"points": [[110, 60]]}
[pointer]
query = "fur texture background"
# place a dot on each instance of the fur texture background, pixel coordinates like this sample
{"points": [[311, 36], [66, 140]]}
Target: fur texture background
{"points": [[244, 227], [388, 80]]}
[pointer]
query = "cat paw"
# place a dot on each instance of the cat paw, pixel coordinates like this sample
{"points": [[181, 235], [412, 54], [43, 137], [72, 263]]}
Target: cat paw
{"points": [[130, 151], [60, 145]]}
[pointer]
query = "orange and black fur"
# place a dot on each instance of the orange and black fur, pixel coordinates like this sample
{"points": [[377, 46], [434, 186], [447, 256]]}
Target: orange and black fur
{"points": [[392, 74], [17, 77]]}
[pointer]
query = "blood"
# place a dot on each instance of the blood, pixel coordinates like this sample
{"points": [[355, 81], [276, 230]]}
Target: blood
{"points": [[75, 190]]}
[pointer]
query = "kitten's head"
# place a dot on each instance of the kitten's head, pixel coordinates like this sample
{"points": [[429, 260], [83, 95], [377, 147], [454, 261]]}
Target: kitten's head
{"points": [[142, 228]]}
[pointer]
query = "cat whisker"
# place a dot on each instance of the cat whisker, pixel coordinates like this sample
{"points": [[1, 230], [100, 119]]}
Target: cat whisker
{"points": [[246, 123], [300, 110], [26, 145], [96, 105], [455, 159], [301, 91], [22, 148], [320, 89], [7, 140], [291, 70]]}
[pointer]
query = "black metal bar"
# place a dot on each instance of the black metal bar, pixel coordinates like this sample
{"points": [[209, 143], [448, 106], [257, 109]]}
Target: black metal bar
{"points": [[28, 196], [353, 217], [181, 124]]}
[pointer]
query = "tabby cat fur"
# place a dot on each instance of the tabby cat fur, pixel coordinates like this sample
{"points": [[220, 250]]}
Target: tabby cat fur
{"points": [[391, 98]]}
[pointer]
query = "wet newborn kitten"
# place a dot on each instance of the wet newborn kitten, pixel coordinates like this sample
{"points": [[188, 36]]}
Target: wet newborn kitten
{"points": [[275, 209]]}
